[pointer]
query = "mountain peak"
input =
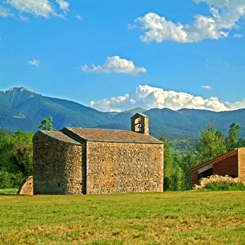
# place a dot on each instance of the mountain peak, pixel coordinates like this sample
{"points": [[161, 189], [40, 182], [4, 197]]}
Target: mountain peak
{"points": [[20, 89], [135, 110], [17, 90]]}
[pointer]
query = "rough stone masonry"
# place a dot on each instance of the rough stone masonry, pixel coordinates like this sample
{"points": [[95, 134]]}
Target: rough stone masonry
{"points": [[98, 161]]}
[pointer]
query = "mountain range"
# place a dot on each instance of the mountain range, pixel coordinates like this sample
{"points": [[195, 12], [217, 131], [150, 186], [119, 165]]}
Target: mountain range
{"points": [[24, 110]]}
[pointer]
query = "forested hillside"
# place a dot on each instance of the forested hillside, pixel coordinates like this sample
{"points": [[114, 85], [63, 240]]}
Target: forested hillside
{"points": [[21, 109], [186, 133]]}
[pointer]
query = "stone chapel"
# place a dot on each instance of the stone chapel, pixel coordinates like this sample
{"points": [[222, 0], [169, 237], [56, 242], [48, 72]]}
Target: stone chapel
{"points": [[98, 161]]}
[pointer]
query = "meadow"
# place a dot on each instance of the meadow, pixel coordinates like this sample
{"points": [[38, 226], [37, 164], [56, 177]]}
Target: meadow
{"points": [[191, 217]]}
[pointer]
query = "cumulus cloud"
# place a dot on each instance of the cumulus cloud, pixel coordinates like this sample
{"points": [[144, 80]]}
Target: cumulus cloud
{"points": [[37, 8], [207, 87], [236, 105], [34, 62], [63, 5], [224, 16], [237, 36], [5, 12], [151, 97], [115, 65]]}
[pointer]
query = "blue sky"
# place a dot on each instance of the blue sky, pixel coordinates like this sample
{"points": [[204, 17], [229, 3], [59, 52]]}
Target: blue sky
{"points": [[175, 54]]}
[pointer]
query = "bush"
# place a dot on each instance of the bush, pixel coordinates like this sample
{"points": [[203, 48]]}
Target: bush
{"points": [[5, 180], [225, 186], [15, 158], [11, 180]]}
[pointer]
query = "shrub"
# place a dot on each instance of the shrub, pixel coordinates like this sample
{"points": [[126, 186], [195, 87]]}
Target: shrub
{"points": [[225, 186], [11, 180], [5, 180]]}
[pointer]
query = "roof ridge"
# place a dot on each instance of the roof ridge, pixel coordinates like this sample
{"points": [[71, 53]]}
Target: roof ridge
{"points": [[109, 135], [101, 129]]}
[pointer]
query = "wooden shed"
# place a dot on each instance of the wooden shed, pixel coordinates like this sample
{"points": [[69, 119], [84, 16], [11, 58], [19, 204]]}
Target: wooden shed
{"points": [[231, 163]]}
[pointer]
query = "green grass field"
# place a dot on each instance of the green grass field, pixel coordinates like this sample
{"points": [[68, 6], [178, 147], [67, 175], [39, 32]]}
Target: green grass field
{"points": [[194, 217]]}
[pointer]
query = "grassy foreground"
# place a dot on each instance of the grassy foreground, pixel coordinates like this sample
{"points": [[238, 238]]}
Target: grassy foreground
{"points": [[193, 217]]}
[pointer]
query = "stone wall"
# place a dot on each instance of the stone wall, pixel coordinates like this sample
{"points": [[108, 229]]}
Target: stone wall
{"points": [[27, 187], [241, 163], [124, 167], [57, 165]]}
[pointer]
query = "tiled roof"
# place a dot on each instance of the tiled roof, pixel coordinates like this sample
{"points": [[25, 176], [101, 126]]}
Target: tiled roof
{"points": [[109, 135], [214, 160], [61, 136]]}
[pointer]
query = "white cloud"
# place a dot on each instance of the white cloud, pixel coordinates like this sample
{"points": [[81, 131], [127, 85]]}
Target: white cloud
{"points": [[38, 8], [34, 62], [159, 29], [236, 105], [224, 16], [151, 97], [207, 87], [63, 5], [35, 7], [115, 65], [79, 17], [5, 12], [223, 3], [237, 36]]}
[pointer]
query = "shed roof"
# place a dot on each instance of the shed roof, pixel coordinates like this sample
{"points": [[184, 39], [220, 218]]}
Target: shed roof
{"points": [[109, 135], [214, 160]]}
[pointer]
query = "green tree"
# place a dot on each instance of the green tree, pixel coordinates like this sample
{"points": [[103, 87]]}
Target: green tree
{"points": [[168, 166], [241, 142], [178, 176], [172, 172], [231, 140], [187, 162], [22, 152], [211, 145], [46, 124], [16, 158]]}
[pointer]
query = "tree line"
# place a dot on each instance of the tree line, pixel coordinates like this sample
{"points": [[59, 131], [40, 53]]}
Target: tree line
{"points": [[16, 154], [15, 158], [212, 143]]}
